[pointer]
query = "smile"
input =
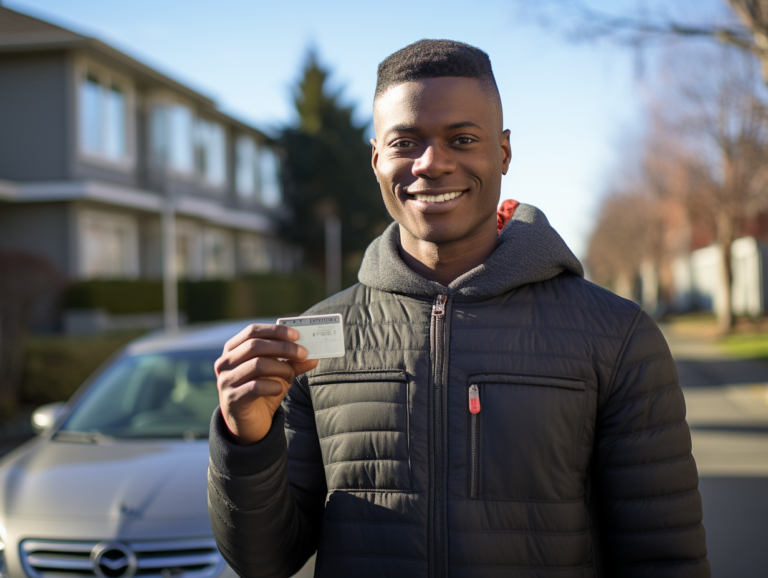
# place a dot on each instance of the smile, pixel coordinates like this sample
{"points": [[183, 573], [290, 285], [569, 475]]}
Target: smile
{"points": [[437, 198]]}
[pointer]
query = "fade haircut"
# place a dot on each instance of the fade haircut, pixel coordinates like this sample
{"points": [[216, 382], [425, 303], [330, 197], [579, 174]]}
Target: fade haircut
{"points": [[435, 59]]}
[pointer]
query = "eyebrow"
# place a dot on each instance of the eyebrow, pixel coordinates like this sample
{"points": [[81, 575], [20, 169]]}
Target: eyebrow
{"points": [[402, 128], [408, 128], [463, 125]]}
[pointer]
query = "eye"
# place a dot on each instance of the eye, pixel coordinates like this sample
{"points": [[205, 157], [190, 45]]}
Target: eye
{"points": [[403, 144], [464, 140]]}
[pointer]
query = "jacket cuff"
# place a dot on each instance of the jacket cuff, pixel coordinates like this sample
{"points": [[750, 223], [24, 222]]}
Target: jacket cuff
{"points": [[233, 459]]}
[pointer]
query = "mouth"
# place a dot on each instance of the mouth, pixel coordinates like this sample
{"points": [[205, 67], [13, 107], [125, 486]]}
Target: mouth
{"points": [[441, 198], [435, 201]]}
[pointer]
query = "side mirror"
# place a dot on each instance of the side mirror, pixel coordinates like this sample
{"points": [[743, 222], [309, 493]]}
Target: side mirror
{"points": [[45, 416]]}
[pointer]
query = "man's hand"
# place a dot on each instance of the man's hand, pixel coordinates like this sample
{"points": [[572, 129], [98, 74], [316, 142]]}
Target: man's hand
{"points": [[253, 375]]}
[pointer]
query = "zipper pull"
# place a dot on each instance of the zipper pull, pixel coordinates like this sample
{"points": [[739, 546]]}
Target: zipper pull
{"points": [[474, 399], [438, 309]]}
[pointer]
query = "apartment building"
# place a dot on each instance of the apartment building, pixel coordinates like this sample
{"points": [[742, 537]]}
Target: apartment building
{"points": [[96, 146]]}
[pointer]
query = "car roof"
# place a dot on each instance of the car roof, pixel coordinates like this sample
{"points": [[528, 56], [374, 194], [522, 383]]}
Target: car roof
{"points": [[192, 337]]}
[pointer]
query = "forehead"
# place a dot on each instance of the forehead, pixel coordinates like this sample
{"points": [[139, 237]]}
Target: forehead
{"points": [[445, 99]]}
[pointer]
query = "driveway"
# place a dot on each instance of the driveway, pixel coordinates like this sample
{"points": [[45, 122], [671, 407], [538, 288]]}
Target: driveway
{"points": [[727, 402]]}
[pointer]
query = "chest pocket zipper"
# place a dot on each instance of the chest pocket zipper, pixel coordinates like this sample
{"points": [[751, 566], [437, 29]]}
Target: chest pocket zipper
{"points": [[474, 411]]}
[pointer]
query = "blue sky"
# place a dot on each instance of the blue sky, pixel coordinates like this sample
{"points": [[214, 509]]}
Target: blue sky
{"points": [[568, 106]]}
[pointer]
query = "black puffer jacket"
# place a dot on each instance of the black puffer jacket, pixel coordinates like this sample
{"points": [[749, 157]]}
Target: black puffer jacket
{"points": [[578, 463]]}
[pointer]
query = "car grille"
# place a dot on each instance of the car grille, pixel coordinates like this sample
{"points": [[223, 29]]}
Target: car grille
{"points": [[191, 558]]}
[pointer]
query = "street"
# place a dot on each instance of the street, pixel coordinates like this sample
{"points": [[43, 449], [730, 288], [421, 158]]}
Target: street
{"points": [[727, 404]]}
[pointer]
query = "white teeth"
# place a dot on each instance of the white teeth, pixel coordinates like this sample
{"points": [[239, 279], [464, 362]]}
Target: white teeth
{"points": [[438, 198]]}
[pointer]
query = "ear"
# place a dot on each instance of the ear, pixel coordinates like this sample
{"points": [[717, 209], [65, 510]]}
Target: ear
{"points": [[506, 151], [374, 157]]}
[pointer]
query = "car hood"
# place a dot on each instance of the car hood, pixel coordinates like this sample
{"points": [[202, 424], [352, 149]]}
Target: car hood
{"points": [[149, 480]]}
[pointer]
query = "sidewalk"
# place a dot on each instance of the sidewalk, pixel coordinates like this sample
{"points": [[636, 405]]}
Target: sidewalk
{"points": [[727, 403]]}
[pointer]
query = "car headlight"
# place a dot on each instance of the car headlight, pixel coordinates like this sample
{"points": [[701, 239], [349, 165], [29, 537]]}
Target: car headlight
{"points": [[3, 567]]}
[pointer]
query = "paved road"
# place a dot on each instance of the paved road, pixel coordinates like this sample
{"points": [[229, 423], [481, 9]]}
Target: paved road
{"points": [[727, 402]]}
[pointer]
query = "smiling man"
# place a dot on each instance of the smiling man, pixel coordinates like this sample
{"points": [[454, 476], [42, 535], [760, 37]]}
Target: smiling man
{"points": [[494, 413]]}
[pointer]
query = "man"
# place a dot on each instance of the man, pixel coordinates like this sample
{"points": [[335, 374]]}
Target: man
{"points": [[494, 415]]}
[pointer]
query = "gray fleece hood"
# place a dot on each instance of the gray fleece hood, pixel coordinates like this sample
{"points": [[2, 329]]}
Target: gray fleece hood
{"points": [[529, 251]]}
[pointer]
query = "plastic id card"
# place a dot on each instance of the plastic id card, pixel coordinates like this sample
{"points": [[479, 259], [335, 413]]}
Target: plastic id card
{"points": [[322, 335]]}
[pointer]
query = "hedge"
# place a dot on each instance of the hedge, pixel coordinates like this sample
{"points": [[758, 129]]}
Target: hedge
{"points": [[56, 365], [249, 296], [116, 296]]}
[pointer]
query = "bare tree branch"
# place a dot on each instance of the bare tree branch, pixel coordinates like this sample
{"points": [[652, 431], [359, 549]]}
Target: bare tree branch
{"points": [[582, 23]]}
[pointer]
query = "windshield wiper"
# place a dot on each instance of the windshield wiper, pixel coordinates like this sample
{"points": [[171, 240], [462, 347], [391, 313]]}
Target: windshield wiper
{"points": [[87, 437]]}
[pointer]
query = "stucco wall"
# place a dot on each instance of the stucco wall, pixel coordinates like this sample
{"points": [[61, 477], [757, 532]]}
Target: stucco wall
{"points": [[33, 116], [40, 228]]}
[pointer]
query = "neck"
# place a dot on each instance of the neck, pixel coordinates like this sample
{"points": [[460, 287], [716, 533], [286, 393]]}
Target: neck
{"points": [[444, 262]]}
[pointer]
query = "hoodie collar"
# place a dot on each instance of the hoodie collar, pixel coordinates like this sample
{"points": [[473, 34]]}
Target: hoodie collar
{"points": [[529, 251]]}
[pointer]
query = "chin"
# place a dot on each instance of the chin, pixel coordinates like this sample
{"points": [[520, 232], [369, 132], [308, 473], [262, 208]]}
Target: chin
{"points": [[437, 234]]}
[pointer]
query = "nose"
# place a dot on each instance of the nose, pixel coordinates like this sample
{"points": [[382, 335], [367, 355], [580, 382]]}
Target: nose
{"points": [[433, 163]]}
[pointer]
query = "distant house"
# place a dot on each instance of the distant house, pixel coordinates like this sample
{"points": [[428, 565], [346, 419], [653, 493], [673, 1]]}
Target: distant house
{"points": [[699, 278], [691, 278], [95, 145]]}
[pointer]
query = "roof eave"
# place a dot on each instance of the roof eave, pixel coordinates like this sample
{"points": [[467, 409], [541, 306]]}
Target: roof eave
{"points": [[150, 73], [44, 42]]}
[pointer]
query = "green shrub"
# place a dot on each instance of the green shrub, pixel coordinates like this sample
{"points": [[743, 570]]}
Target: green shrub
{"points": [[249, 296], [252, 296], [282, 295], [55, 366], [116, 296]]}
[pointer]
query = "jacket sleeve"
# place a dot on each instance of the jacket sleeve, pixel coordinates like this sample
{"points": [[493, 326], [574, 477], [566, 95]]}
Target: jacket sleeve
{"points": [[266, 500], [645, 478]]}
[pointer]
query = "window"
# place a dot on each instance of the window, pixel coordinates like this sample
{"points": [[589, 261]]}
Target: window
{"points": [[103, 118], [271, 189], [253, 253], [219, 254], [247, 169], [161, 395], [180, 154], [189, 249], [209, 151], [109, 245], [171, 131], [188, 145]]}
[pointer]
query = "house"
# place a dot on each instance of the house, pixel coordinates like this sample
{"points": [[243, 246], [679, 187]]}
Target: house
{"points": [[690, 275], [95, 147]]}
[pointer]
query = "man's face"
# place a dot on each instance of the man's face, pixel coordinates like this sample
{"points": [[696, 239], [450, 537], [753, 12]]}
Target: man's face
{"points": [[439, 154]]}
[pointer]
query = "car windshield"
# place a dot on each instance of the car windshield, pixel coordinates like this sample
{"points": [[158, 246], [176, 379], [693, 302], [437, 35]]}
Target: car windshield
{"points": [[162, 395]]}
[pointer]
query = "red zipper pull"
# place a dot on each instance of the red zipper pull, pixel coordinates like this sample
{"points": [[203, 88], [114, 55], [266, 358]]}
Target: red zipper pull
{"points": [[474, 399]]}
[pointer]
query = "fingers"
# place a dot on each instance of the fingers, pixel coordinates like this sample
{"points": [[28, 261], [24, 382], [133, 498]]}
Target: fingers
{"points": [[259, 347], [250, 390], [300, 367], [262, 331], [253, 369]]}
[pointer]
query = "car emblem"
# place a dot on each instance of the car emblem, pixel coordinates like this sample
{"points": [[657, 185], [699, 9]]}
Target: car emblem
{"points": [[113, 560]]}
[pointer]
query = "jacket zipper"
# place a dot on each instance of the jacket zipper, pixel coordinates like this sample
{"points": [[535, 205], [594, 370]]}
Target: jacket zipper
{"points": [[436, 495], [474, 411]]}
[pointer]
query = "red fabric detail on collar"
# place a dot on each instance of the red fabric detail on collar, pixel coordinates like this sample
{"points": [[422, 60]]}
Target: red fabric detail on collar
{"points": [[504, 214]]}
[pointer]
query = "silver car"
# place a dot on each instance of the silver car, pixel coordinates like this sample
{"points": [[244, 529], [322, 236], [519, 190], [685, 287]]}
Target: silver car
{"points": [[115, 484]]}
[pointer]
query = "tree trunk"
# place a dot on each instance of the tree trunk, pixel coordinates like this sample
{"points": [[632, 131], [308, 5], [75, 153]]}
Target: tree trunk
{"points": [[725, 234]]}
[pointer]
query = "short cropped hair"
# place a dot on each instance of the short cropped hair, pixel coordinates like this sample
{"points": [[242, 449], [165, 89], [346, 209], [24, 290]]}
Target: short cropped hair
{"points": [[435, 59]]}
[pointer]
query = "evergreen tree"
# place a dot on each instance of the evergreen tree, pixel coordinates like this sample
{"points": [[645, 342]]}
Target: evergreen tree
{"points": [[327, 170]]}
